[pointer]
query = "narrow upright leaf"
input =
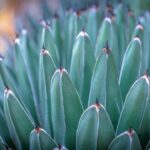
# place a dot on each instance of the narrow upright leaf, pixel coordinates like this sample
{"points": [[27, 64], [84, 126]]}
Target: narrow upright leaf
{"points": [[22, 81], [87, 131], [70, 108], [57, 108], [46, 70], [131, 65], [134, 106], [18, 121], [82, 64]]}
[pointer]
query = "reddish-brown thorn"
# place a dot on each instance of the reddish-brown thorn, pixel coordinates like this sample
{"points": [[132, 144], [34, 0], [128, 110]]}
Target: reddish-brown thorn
{"points": [[97, 104], [130, 131], [38, 129]]}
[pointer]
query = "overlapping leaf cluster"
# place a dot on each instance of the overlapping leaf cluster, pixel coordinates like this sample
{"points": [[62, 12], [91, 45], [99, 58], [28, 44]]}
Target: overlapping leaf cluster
{"points": [[79, 83]]}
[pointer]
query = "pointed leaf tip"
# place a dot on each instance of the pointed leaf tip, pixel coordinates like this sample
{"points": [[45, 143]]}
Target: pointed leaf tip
{"points": [[78, 13], [106, 49], [130, 132], [140, 26], [109, 7], [147, 73], [108, 19], [97, 104], [38, 130], [146, 77], [17, 40], [61, 69], [136, 38], [7, 91], [82, 34], [44, 24], [83, 28], [56, 15], [44, 52]]}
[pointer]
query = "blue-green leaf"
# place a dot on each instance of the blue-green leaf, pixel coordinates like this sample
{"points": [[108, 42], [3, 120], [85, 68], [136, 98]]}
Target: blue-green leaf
{"points": [[87, 131], [127, 140], [131, 65], [18, 121], [66, 108], [82, 64], [46, 70], [40, 140], [106, 131], [134, 106]]}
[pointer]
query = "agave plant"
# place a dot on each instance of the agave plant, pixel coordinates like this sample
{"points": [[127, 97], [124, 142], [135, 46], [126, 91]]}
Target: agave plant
{"points": [[81, 83]]}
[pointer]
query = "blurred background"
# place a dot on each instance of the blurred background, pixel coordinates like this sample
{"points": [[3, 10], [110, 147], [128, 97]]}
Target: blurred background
{"points": [[12, 12]]}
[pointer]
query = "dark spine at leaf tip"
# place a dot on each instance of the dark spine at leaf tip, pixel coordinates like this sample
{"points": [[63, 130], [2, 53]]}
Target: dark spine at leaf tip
{"points": [[7, 91], [112, 16], [6, 86], [78, 13], [130, 131], [109, 7], [44, 52], [38, 130], [146, 77], [130, 12], [137, 36], [139, 22], [60, 68], [107, 45], [83, 29], [44, 24], [147, 72], [106, 48], [56, 15], [97, 104]]}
